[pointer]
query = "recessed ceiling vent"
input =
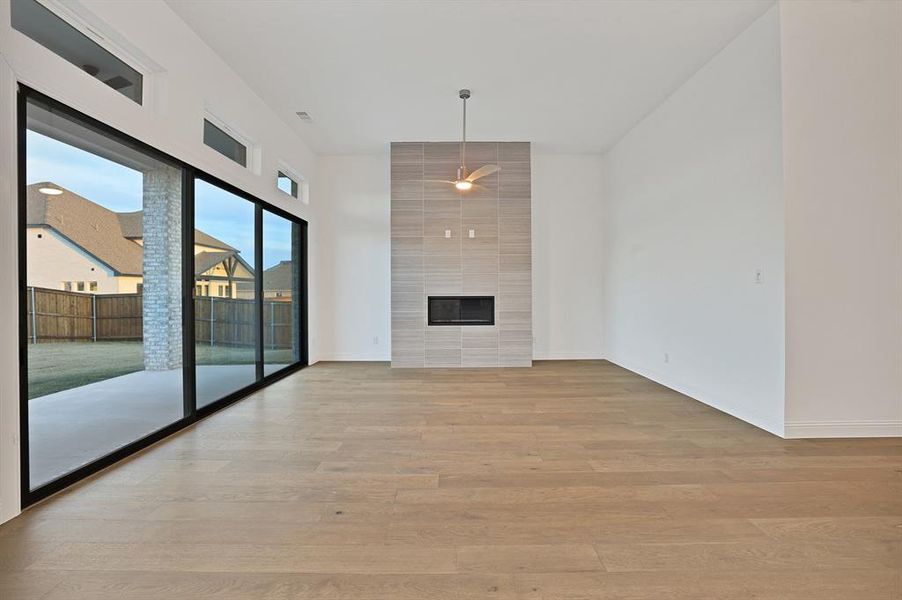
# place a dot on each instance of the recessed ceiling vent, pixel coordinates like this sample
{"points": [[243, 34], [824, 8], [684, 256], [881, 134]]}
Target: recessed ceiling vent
{"points": [[304, 116]]}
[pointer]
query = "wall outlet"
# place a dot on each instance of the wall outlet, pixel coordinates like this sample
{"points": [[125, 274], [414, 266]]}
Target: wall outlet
{"points": [[667, 357], [448, 234], [376, 340], [472, 233]]}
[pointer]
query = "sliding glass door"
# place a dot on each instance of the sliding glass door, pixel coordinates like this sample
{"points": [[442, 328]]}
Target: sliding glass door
{"points": [[226, 313], [103, 242], [150, 293], [281, 292]]}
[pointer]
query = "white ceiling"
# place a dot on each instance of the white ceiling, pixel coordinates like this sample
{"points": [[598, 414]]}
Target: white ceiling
{"points": [[571, 77]]}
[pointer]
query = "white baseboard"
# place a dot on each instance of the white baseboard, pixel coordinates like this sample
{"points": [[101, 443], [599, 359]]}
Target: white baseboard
{"points": [[842, 429], [767, 425], [566, 355], [351, 358]]}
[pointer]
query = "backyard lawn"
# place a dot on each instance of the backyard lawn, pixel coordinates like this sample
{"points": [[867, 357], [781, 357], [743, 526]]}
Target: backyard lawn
{"points": [[54, 367]]}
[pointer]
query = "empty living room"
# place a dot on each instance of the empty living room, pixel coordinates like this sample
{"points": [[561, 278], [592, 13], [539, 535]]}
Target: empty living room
{"points": [[451, 299]]}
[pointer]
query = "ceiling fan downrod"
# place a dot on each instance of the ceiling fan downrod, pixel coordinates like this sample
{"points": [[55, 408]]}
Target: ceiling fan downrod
{"points": [[462, 170]]}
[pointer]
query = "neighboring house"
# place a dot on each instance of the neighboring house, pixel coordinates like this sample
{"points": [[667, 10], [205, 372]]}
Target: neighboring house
{"points": [[78, 245], [277, 283]]}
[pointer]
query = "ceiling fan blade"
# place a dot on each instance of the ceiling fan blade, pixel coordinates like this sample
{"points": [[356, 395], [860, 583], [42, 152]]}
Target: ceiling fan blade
{"points": [[439, 181], [482, 172]]}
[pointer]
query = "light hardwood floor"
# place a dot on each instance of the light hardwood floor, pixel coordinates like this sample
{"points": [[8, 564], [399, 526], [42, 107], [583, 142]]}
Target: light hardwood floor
{"points": [[570, 480]]}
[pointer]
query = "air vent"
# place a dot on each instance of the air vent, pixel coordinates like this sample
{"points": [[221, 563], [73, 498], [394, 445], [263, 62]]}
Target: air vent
{"points": [[303, 116]]}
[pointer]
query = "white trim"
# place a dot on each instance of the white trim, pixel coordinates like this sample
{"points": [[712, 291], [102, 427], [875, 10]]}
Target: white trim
{"points": [[566, 355], [9, 298], [842, 429], [303, 186], [342, 357], [254, 151], [86, 22], [95, 29]]}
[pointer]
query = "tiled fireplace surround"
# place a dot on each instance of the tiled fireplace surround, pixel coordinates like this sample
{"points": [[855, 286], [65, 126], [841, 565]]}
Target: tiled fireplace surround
{"points": [[495, 262]]}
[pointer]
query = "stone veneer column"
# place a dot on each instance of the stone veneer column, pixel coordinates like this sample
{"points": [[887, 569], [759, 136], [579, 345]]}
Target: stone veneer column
{"points": [[162, 269]]}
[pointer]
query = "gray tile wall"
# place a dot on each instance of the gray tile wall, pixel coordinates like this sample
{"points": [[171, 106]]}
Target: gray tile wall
{"points": [[497, 262]]}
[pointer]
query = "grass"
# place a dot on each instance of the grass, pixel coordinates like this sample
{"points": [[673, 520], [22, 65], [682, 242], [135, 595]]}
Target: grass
{"points": [[55, 367]]}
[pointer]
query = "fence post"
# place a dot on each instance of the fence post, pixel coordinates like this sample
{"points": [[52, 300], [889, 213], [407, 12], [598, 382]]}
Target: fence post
{"points": [[272, 325], [34, 319], [93, 317], [212, 320]]}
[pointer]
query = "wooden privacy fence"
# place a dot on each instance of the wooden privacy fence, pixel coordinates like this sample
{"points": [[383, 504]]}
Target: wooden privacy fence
{"points": [[60, 316]]}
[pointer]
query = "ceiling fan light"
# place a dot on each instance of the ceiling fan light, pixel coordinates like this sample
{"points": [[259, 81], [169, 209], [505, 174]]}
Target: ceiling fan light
{"points": [[463, 185], [50, 191]]}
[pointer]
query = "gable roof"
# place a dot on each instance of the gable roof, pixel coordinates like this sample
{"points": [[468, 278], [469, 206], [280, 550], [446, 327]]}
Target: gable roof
{"points": [[275, 278], [108, 236], [279, 277], [206, 260], [92, 227], [132, 224]]}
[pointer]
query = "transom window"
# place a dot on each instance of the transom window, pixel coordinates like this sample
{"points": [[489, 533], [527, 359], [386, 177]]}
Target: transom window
{"points": [[44, 27], [222, 142], [287, 184]]}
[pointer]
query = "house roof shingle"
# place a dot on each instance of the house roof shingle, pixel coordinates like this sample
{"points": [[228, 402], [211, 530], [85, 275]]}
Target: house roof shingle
{"points": [[279, 276], [109, 236]]}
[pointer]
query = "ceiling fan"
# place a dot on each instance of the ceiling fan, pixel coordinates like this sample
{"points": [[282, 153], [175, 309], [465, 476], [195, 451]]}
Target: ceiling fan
{"points": [[466, 180]]}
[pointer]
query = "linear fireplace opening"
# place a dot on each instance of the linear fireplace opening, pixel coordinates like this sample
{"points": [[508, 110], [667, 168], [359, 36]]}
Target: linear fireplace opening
{"points": [[461, 310]]}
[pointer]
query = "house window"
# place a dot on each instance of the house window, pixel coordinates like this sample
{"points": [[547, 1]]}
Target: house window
{"points": [[92, 286], [81, 286], [221, 290], [47, 29], [287, 184], [139, 288], [222, 142], [67, 286]]}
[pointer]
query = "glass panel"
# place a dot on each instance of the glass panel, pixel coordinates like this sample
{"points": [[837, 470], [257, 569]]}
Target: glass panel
{"points": [[287, 184], [225, 310], [281, 292], [225, 144], [52, 32], [104, 337]]}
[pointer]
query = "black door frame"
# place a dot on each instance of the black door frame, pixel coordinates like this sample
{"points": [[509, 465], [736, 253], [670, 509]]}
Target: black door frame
{"points": [[191, 414]]}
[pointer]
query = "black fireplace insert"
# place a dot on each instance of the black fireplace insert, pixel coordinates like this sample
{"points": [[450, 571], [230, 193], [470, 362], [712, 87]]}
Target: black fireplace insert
{"points": [[461, 310]]}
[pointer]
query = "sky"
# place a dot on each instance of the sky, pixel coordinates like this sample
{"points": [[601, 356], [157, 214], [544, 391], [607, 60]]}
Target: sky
{"points": [[116, 187]]}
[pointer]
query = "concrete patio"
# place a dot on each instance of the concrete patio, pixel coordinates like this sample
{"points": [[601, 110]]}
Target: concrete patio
{"points": [[71, 428]]}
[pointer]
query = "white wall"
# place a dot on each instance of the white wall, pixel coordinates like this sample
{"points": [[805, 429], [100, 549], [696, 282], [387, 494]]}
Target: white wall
{"points": [[53, 259], [353, 214], [842, 107], [694, 207], [187, 77], [566, 256], [9, 301]]}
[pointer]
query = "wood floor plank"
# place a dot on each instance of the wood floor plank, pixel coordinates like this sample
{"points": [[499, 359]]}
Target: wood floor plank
{"points": [[571, 480]]}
